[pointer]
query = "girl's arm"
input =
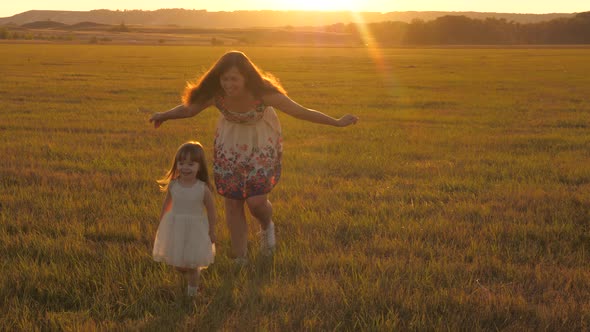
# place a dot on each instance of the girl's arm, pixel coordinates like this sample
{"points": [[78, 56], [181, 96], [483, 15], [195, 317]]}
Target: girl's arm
{"points": [[179, 112], [166, 205], [290, 107], [211, 213]]}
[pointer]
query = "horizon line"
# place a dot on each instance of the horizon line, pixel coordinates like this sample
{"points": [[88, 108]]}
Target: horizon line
{"points": [[293, 10]]}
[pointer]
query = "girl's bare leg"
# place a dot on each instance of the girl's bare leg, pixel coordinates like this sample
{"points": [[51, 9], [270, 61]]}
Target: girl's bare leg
{"points": [[193, 277], [183, 272], [193, 281]]}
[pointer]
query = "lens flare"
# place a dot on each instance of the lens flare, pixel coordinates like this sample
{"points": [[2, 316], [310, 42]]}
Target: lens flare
{"points": [[374, 50]]}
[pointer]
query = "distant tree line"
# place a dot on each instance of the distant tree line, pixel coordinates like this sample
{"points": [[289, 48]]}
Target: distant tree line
{"points": [[7, 34], [461, 30], [445, 30]]}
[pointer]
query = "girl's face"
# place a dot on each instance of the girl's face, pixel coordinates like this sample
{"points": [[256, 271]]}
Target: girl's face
{"points": [[233, 82], [187, 169]]}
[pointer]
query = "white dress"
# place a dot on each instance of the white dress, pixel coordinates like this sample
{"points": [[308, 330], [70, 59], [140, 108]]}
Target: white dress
{"points": [[183, 239]]}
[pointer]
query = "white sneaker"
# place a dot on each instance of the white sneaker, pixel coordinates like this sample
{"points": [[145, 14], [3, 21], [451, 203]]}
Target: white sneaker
{"points": [[241, 261], [267, 240], [191, 291]]}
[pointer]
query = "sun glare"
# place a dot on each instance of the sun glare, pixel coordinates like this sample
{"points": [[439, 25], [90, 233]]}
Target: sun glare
{"points": [[325, 5]]}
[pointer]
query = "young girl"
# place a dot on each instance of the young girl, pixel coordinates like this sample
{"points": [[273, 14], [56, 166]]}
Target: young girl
{"points": [[248, 140], [186, 235]]}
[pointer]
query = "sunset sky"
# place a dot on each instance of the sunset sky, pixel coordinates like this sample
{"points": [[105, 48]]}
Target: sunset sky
{"points": [[9, 8]]}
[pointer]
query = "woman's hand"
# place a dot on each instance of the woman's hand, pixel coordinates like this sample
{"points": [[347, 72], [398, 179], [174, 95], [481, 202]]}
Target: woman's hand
{"points": [[347, 120], [157, 119], [212, 236]]}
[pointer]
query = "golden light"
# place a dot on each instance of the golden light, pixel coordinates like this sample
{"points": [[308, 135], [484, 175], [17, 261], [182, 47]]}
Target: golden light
{"points": [[323, 5], [374, 50], [355, 7], [369, 41]]}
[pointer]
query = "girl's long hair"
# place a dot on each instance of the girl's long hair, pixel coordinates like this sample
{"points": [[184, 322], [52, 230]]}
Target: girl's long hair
{"points": [[208, 85], [193, 150]]}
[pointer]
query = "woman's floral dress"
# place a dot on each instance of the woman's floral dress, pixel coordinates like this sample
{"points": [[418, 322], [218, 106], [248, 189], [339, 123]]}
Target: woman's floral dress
{"points": [[248, 151]]}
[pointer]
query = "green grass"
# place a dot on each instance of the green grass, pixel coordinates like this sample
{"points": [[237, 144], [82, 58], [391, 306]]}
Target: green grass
{"points": [[460, 201]]}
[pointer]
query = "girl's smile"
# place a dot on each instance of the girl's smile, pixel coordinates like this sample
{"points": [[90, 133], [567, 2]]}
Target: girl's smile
{"points": [[187, 170]]}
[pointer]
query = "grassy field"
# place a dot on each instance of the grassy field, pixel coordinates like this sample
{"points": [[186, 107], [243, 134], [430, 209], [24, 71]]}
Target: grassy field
{"points": [[460, 201]]}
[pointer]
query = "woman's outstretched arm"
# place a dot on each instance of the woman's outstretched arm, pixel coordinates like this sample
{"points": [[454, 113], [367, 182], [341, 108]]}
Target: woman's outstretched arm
{"points": [[179, 112], [287, 105]]}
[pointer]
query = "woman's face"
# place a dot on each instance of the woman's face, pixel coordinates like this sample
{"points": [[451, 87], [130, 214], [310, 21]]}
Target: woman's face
{"points": [[232, 82]]}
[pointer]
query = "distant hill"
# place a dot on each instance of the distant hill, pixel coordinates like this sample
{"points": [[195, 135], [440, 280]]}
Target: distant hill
{"points": [[87, 26], [246, 19], [44, 25]]}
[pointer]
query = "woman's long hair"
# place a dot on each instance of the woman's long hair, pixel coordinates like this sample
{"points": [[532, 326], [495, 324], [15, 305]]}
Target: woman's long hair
{"points": [[208, 86], [193, 150]]}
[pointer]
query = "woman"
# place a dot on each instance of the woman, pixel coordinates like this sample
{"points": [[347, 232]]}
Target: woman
{"points": [[248, 141]]}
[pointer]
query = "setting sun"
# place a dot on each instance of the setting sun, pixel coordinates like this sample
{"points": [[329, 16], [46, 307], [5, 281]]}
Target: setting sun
{"points": [[310, 5], [319, 5]]}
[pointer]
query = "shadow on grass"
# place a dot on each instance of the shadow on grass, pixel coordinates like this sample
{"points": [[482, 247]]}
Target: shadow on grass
{"points": [[237, 294], [227, 294]]}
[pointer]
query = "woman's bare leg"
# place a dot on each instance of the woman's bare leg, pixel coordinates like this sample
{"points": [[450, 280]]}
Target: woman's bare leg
{"points": [[261, 209], [238, 227]]}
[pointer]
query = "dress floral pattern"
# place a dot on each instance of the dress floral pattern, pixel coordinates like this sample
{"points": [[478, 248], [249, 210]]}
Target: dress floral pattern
{"points": [[247, 151]]}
